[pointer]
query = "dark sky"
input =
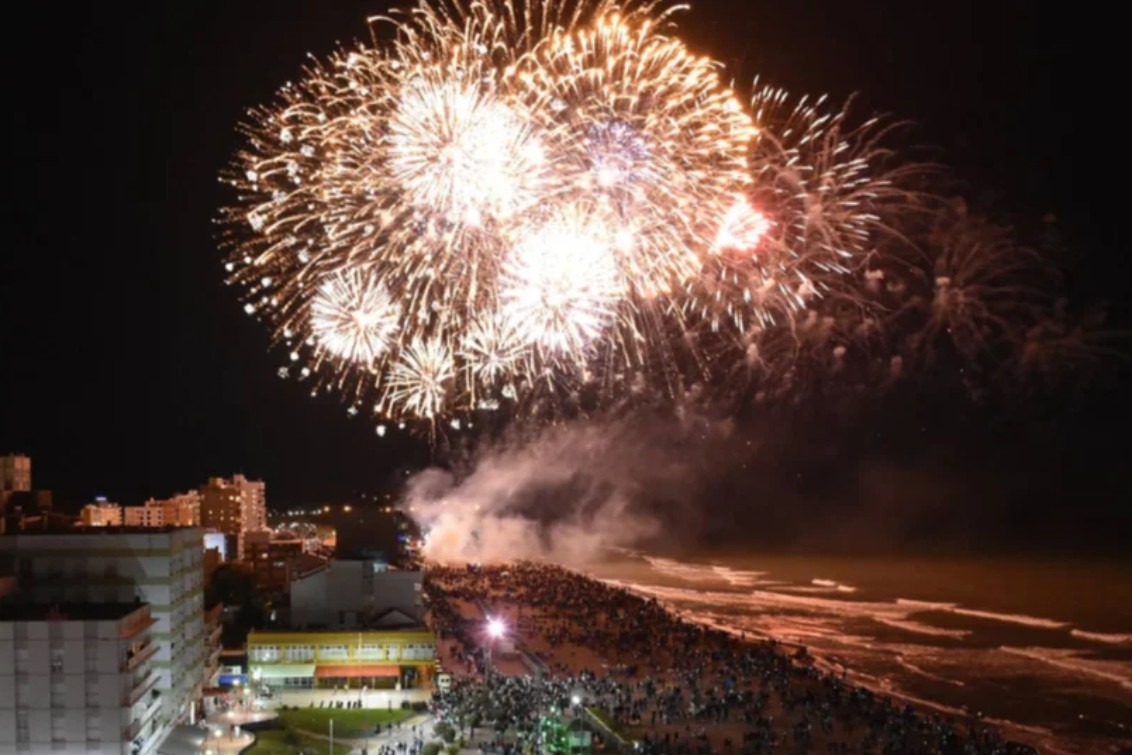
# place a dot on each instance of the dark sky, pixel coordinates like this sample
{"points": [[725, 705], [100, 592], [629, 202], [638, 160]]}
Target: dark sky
{"points": [[127, 368]]}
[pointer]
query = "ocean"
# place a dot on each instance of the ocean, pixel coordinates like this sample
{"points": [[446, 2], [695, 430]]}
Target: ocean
{"points": [[1042, 648]]}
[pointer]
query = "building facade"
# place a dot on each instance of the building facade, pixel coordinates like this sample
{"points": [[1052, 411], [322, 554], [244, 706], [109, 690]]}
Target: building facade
{"points": [[101, 513], [163, 568], [78, 679], [277, 561], [181, 510], [234, 507], [352, 594], [395, 659], [15, 475]]}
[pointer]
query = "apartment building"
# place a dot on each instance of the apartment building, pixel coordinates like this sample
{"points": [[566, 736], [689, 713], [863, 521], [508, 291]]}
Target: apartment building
{"points": [[163, 568], [78, 679]]}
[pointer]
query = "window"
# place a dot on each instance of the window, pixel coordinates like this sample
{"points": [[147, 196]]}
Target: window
{"points": [[300, 653], [333, 652], [265, 653], [371, 652]]}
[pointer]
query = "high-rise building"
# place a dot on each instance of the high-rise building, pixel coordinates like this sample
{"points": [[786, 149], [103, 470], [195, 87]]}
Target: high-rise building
{"points": [[117, 564], [233, 507], [181, 510], [101, 513], [15, 476], [78, 678]]}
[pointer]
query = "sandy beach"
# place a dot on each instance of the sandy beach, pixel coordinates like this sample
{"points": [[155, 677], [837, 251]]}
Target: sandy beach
{"points": [[672, 685]]}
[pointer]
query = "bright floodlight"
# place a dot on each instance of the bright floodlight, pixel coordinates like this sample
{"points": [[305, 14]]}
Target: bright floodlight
{"points": [[576, 700], [495, 628]]}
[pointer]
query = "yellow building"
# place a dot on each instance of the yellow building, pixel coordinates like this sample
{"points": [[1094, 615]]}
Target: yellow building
{"points": [[374, 659]]}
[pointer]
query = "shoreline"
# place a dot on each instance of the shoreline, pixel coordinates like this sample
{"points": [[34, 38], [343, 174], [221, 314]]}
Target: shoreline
{"points": [[1037, 737], [794, 682]]}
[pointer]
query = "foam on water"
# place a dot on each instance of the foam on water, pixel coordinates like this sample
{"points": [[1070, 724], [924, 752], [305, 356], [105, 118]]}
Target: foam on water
{"points": [[1013, 618], [1071, 660], [920, 628], [1114, 639]]}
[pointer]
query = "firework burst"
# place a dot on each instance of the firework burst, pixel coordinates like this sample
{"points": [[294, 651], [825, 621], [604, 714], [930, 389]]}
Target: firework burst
{"points": [[353, 317], [560, 285], [537, 193]]}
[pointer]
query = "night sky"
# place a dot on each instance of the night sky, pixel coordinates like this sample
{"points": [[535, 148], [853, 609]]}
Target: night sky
{"points": [[128, 369]]}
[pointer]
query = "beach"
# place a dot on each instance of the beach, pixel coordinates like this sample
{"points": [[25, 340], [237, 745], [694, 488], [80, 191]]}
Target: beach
{"points": [[672, 685]]}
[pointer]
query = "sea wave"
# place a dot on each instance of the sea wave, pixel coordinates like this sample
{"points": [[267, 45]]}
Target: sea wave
{"points": [[925, 605], [904, 663], [738, 577], [1013, 618], [682, 570], [919, 628], [1114, 639], [1071, 660]]}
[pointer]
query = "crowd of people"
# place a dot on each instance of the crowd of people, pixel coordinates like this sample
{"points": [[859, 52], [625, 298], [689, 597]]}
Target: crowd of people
{"points": [[674, 687]]}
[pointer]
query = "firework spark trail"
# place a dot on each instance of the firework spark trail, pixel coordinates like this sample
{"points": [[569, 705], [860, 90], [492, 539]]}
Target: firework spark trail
{"points": [[551, 193]]}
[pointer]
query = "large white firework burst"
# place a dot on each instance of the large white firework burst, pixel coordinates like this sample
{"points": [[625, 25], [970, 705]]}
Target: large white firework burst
{"points": [[353, 317], [462, 154], [560, 285]]}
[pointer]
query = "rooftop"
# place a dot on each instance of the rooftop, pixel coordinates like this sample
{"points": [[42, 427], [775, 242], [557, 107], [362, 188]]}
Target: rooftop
{"points": [[77, 531], [67, 611]]}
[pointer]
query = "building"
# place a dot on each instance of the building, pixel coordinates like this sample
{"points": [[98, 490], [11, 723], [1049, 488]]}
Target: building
{"points": [[368, 533], [391, 659], [212, 647], [101, 513], [15, 476], [116, 564], [182, 510], [234, 507], [277, 561], [355, 595], [78, 678]]}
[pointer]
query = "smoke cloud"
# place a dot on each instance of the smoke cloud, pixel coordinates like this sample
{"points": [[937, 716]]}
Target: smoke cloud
{"points": [[570, 494]]}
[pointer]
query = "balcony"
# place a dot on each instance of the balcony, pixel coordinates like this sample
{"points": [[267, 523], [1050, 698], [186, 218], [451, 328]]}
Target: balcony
{"points": [[140, 657], [141, 688], [146, 716], [129, 632]]}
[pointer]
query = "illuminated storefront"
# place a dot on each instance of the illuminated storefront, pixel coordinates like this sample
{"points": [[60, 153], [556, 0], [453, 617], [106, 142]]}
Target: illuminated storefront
{"points": [[394, 659]]}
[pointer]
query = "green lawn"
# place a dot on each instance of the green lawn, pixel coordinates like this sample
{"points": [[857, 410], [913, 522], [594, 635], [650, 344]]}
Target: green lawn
{"points": [[273, 742], [348, 724]]}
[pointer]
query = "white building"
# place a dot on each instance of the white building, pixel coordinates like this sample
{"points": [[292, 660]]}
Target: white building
{"points": [[78, 679], [161, 567], [101, 513], [353, 594], [234, 507]]}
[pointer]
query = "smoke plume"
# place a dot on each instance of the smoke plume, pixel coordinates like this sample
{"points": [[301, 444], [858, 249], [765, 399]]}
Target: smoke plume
{"points": [[571, 493]]}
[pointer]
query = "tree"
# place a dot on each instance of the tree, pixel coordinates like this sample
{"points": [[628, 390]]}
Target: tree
{"points": [[446, 732], [432, 748]]}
